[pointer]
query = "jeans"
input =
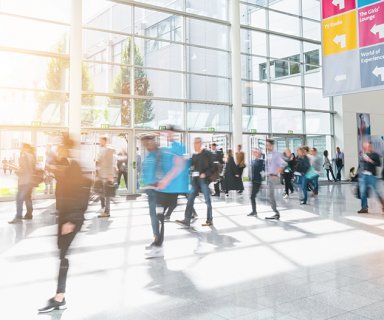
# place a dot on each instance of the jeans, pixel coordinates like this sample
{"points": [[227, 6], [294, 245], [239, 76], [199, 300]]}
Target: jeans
{"points": [[273, 181], [255, 189], [366, 182], [303, 181], [338, 174], [152, 201], [63, 242], [199, 184], [24, 193], [315, 183], [104, 200]]}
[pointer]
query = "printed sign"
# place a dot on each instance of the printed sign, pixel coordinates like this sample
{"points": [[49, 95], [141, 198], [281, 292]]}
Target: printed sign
{"points": [[339, 33], [335, 7], [353, 46], [363, 3], [372, 66], [371, 25]]}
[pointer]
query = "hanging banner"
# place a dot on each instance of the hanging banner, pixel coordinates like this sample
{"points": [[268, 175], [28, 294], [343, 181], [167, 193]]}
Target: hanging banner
{"points": [[353, 46], [363, 130]]}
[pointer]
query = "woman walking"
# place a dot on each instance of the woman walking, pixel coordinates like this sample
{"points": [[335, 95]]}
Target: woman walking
{"points": [[232, 179], [328, 166]]}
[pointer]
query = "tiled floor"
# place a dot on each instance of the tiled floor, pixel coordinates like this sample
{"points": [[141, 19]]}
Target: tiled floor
{"points": [[321, 261]]}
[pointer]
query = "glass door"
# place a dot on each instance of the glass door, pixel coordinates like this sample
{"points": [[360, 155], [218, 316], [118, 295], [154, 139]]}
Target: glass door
{"points": [[290, 141]]}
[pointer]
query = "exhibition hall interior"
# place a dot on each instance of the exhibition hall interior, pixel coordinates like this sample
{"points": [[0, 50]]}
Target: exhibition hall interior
{"points": [[192, 159]]}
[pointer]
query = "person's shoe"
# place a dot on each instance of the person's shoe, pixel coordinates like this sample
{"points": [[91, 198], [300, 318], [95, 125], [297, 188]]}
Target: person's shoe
{"points": [[184, 222], [274, 217], [194, 215], [104, 215], [303, 202], [240, 191], [363, 210], [216, 195], [286, 196], [28, 217], [207, 223], [15, 220], [52, 304], [155, 252], [252, 214], [154, 244], [227, 195], [101, 210]]}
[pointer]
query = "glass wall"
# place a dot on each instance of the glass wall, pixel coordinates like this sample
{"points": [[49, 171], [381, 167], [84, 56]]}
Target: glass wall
{"points": [[146, 67], [281, 68]]}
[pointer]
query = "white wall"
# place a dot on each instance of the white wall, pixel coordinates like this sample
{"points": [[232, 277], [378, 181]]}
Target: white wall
{"points": [[345, 121]]}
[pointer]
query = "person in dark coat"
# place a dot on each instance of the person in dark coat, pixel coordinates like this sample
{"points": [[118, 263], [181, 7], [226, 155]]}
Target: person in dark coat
{"points": [[232, 179], [73, 191], [258, 166]]}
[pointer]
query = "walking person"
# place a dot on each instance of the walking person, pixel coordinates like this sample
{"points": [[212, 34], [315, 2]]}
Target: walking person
{"points": [[25, 172], [257, 166], [316, 163], [369, 161], [301, 169], [201, 166], [339, 160], [5, 165], [74, 189], [240, 161], [105, 173], [290, 159], [122, 167], [328, 166], [218, 162], [232, 177], [273, 167]]}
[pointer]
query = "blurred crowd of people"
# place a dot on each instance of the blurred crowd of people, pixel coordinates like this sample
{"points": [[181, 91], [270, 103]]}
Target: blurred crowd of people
{"points": [[167, 172]]}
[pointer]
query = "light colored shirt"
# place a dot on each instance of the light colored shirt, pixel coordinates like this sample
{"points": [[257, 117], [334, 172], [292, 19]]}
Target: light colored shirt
{"points": [[274, 163], [106, 162]]}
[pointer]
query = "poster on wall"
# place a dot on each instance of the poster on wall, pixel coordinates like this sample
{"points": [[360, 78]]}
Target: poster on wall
{"points": [[353, 46], [363, 130]]}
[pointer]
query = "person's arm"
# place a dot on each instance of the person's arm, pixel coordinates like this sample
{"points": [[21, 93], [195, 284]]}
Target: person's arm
{"points": [[178, 166]]}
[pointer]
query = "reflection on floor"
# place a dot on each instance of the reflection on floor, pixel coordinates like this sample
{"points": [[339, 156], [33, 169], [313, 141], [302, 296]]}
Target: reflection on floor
{"points": [[321, 261]]}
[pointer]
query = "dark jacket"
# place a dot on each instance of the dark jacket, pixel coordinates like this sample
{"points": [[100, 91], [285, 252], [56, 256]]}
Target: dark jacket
{"points": [[258, 165], [218, 156], [370, 167], [302, 165], [231, 182], [202, 162], [73, 192]]}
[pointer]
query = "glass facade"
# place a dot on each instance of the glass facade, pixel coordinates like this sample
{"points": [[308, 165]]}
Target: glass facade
{"points": [[148, 63]]}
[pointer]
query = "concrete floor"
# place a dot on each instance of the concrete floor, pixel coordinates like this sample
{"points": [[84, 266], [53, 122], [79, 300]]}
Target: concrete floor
{"points": [[321, 261]]}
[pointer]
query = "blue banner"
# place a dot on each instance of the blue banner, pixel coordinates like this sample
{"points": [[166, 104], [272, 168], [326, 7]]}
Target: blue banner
{"points": [[363, 3]]}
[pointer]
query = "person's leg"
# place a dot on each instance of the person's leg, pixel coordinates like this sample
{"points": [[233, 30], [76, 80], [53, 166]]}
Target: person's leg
{"points": [[287, 179], [107, 205], [375, 188], [28, 202], [20, 197], [272, 182], [315, 185], [338, 173], [332, 174], [119, 174], [363, 191], [191, 200], [255, 190], [65, 242], [207, 197], [171, 206], [125, 175], [217, 188], [304, 183], [152, 212]]}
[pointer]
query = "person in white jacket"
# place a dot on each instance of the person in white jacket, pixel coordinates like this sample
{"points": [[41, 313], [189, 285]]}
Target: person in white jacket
{"points": [[105, 173]]}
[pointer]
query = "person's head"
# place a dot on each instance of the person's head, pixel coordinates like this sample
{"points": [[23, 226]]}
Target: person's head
{"points": [[149, 143], [270, 145], [239, 147], [256, 153], [62, 151], [338, 149], [213, 146], [103, 141], [306, 150], [170, 131], [367, 146], [229, 153], [314, 152], [325, 153], [26, 147], [287, 152], [300, 152], [197, 144]]}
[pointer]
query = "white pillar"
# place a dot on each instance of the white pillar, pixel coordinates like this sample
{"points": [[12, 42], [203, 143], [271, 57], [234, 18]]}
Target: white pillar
{"points": [[75, 70], [237, 115]]}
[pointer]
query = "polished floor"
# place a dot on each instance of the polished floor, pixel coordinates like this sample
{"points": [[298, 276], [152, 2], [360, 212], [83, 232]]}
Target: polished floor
{"points": [[321, 261]]}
